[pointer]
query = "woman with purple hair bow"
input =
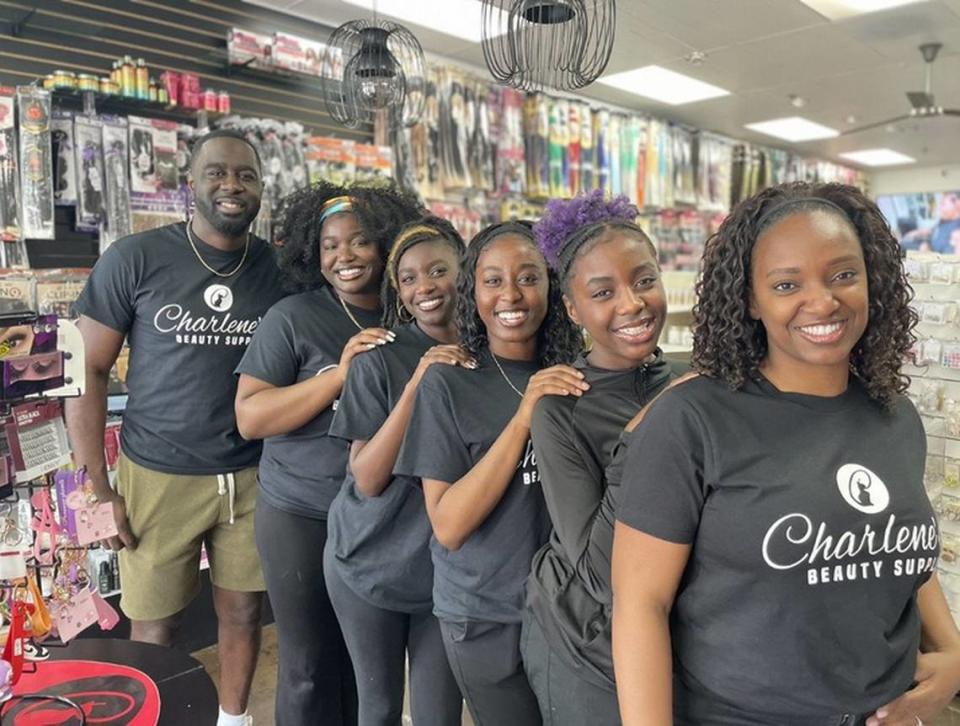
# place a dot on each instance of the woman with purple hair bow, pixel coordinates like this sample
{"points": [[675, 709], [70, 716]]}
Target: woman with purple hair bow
{"points": [[611, 287]]}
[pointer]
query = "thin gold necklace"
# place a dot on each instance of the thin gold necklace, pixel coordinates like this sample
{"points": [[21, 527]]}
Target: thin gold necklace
{"points": [[347, 311], [509, 383], [193, 246]]}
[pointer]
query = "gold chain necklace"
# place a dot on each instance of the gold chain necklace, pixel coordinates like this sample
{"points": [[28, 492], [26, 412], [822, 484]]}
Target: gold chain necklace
{"points": [[193, 246], [497, 363], [347, 311]]}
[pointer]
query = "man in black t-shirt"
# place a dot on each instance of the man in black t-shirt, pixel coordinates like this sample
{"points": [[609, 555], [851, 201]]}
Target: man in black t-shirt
{"points": [[188, 298]]}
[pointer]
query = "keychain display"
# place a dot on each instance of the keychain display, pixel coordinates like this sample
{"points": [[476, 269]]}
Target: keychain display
{"points": [[116, 221], [9, 176], [88, 145], [64, 162], [36, 166]]}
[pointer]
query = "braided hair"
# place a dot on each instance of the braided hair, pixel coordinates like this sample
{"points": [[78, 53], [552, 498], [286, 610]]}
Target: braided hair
{"points": [[730, 345], [428, 228], [380, 210], [558, 339]]}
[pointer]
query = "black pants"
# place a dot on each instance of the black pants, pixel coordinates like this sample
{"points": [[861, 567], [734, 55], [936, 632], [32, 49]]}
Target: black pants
{"points": [[485, 658], [315, 683], [566, 698], [379, 641]]}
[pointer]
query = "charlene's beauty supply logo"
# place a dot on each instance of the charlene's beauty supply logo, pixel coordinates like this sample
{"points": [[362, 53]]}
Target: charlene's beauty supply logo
{"points": [[862, 489], [218, 298], [870, 549]]}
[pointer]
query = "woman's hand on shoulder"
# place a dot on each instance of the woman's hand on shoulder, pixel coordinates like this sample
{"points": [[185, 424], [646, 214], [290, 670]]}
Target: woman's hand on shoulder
{"points": [[451, 355], [635, 421], [366, 339], [938, 680], [559, 380]]}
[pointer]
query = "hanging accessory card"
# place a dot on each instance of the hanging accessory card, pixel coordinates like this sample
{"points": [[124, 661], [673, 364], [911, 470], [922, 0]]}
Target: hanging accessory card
{"points": [[88, 136], [9, 177], [116, 222], [64, 164], [36, 166]]}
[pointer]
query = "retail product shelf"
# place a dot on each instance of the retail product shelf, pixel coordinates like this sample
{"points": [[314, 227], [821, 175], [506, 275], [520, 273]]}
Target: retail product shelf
{"points": [[667, 348]]}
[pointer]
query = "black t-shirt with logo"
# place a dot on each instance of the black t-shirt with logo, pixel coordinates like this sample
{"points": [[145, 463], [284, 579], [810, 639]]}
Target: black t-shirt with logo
{"points": [[574, 438], [381, 544], [187, 329], [811, 533], [457, 415], [301, 336]]}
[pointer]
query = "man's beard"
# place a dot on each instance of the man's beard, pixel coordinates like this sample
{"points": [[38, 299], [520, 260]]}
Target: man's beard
{"points": [[229, 226]]}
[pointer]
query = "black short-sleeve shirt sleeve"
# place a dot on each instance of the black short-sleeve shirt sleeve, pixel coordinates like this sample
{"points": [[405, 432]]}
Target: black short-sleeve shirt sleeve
{"points": [[111, 290], [272, 355], [433, 447], [365, 400], [663, 487]]}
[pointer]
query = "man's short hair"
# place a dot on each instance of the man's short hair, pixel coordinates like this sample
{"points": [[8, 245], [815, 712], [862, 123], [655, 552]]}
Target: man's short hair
{"points": [[225, 134]]}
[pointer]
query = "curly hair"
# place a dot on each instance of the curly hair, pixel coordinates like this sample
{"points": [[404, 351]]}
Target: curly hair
{"points": [[412, 234], [558, 339], [570, 227], [380, 210], [730, 345]]}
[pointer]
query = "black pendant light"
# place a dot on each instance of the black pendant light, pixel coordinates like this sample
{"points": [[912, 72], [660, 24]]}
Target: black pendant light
{"points": [[375, 66], [537, 44]]}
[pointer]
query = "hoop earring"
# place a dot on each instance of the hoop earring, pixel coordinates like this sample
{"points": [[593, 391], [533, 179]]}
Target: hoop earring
{"points": [[403, 315]]}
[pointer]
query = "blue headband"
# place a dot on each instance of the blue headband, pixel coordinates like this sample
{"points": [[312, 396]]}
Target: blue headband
{"points": [[335, 206]]}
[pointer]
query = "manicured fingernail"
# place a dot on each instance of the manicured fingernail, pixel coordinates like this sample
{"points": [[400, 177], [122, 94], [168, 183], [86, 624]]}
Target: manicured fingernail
{"points": [[391, 335], [472, 364], [370, 346], [382, 341]]}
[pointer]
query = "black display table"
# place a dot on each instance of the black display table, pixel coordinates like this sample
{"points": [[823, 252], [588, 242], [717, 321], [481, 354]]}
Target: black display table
{"points": [[187, 694]]}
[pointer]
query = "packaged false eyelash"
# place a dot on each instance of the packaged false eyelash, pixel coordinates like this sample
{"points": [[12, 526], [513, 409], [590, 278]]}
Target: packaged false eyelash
{"points": [[942, 273], [37, 438], [916, 270], [31, 375], [939, 313], [36, 167]]}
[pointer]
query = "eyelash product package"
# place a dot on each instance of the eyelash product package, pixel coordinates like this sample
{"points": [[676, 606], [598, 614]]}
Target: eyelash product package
{"points": [[31, 375], [9, 178], [64, 166], [36, 167], [38, 439], [88, 136], [116, 221]]}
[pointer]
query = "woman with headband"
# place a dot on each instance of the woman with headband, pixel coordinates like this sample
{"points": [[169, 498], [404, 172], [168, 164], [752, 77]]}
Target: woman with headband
{"points": [[468, 441], [335, 247], [610, 278], [377, 558], [775, 549]]}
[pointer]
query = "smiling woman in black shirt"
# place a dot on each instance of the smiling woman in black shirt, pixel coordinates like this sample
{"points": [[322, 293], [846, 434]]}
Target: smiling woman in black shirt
{"points": [[611, 281], [468, 440], [377, 559], [775, 549], [335, 245]]}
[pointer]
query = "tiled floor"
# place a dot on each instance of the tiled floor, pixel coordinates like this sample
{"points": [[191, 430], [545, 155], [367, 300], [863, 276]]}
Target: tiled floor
{"points": [[261, 697]]}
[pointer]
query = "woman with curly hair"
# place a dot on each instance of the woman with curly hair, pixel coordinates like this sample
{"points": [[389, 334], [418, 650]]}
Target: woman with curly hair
{"points": [[335, 245], [377, 558], [608, 271], [772, 508], [468, 441]]}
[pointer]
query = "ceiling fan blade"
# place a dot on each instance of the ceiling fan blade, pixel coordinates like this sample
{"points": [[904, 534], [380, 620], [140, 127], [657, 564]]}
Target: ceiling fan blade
{"points": [[877, 124]]}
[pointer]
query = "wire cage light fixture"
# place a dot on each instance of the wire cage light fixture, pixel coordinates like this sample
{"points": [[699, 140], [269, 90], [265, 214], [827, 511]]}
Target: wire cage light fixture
{"points": [[536, 44], [374, 67]]}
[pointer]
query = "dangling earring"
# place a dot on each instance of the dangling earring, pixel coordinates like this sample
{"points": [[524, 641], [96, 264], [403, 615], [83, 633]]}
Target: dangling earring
{"points": [[403, 315]]}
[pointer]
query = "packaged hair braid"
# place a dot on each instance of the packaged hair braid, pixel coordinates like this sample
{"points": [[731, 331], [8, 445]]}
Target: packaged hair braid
{"points": [[9, 178], [116, 220], [64, 167], [88, 140], [36, 167]]}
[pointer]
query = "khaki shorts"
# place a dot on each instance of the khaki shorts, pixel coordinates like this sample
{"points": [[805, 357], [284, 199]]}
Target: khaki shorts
{"points": [[172, 515]]}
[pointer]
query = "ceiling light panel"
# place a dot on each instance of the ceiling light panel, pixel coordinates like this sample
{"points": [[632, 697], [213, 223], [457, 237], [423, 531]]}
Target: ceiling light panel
{"points": [[878, 157], [840, 9], [663, 85], [459, 18], [793, 129]]}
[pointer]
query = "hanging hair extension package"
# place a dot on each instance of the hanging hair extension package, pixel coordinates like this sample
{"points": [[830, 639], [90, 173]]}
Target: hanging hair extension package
{"points": [[36, 167], [9, 179], [64, 166], [88, 147], [116, 221]]}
